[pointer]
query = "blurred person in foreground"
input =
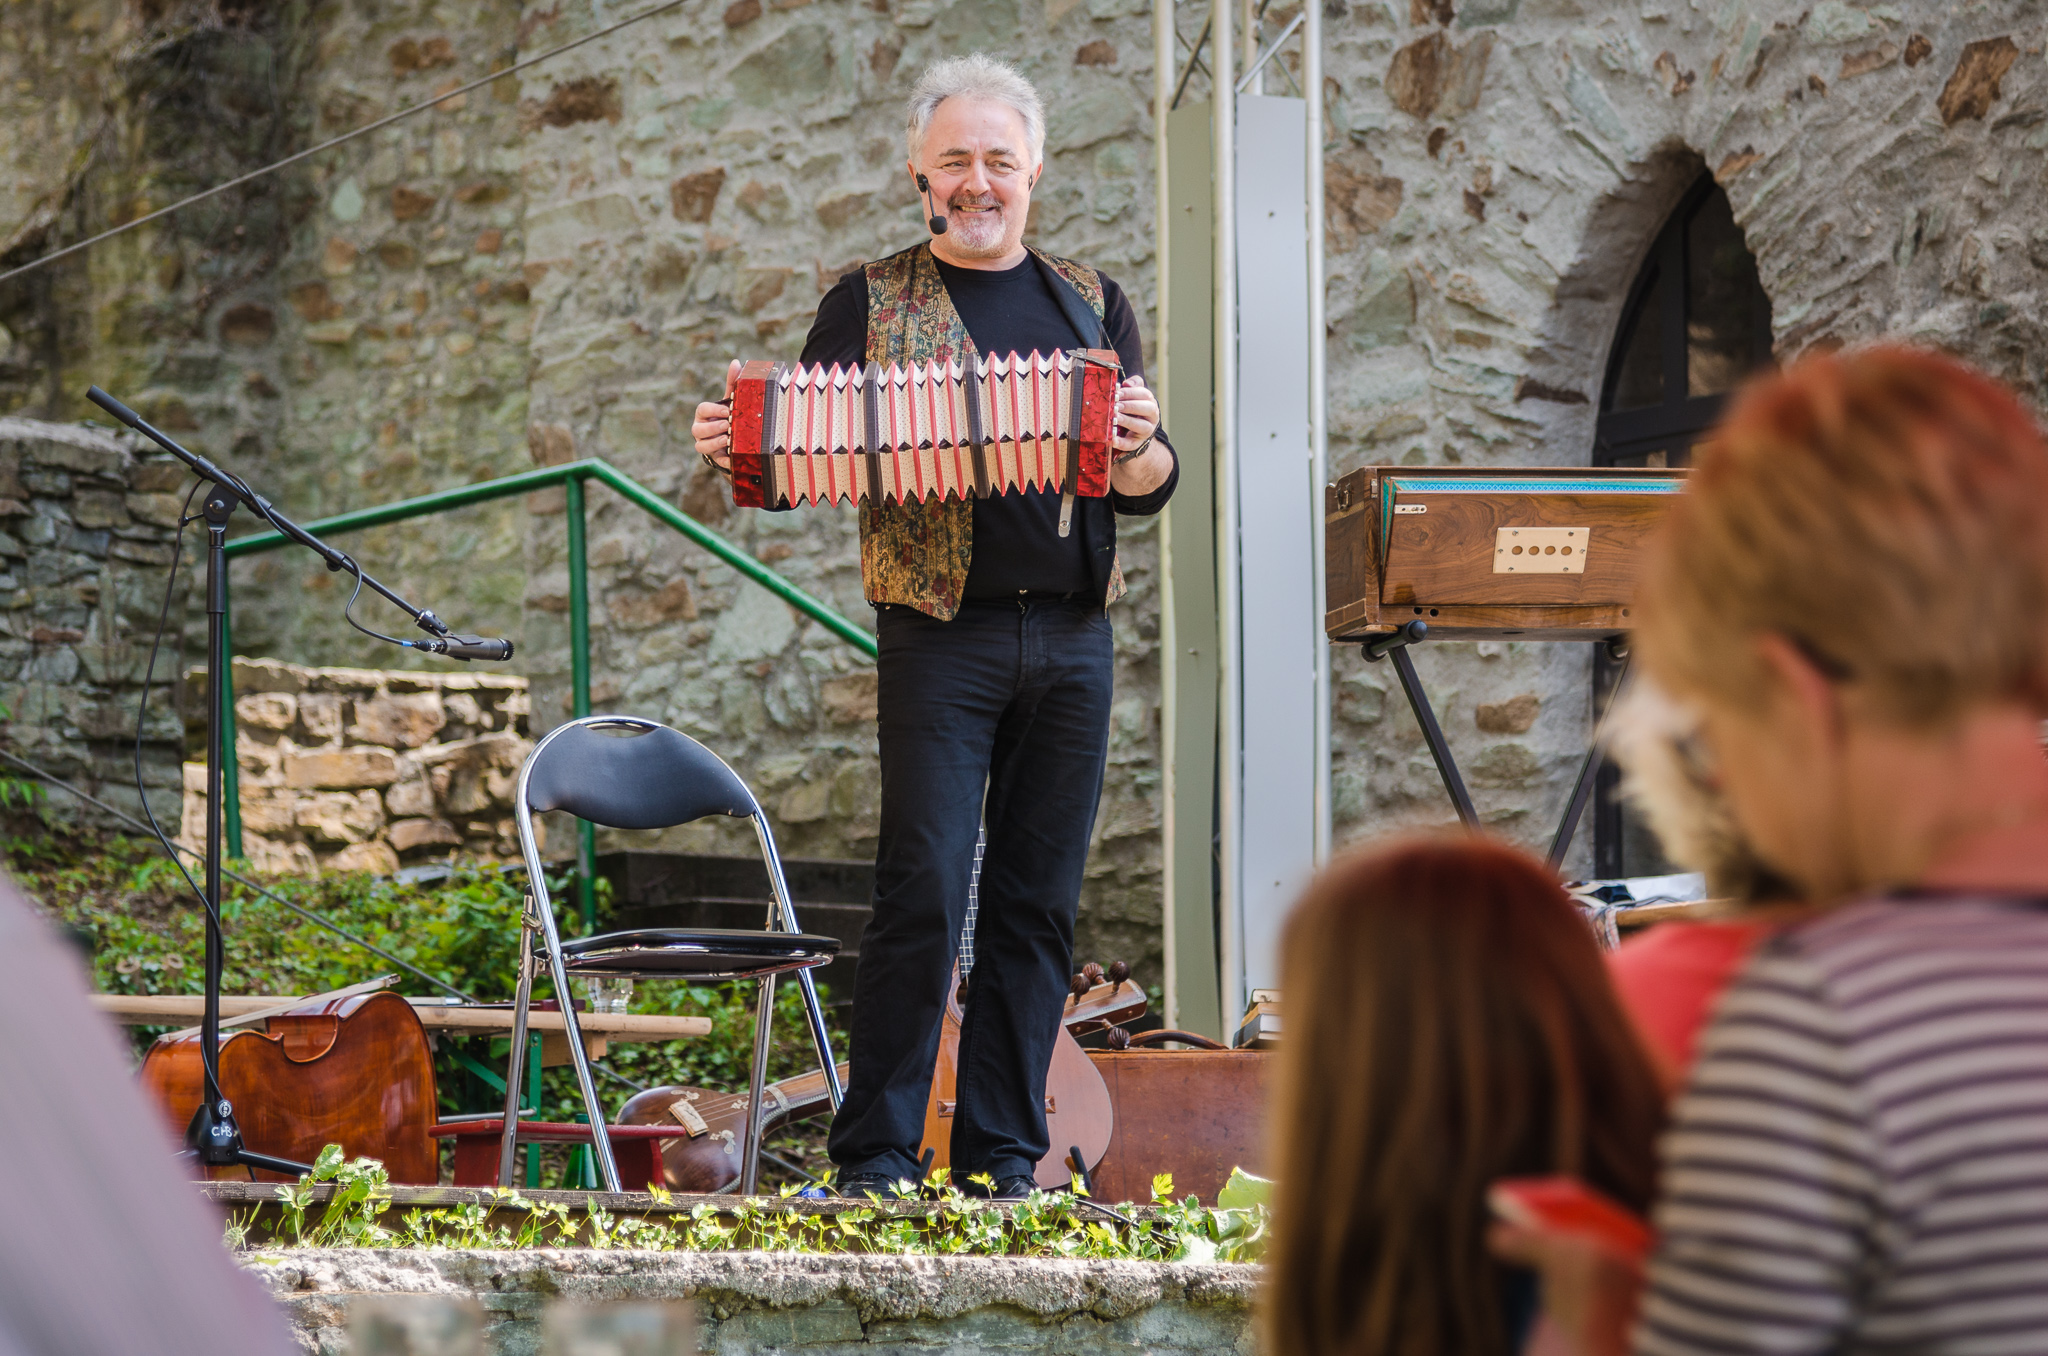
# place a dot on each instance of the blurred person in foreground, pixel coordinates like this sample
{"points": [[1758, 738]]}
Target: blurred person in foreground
{"points": [[1448, 1023], [107, 1252], [1670, 975], [1852, 595]]}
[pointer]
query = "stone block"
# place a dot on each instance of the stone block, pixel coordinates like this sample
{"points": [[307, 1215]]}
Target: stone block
{"points": [[158, 510], [793, 69], [377, 858], [98, 508], [79, 450], [411, 796], [1513, 716], [266, 710], [340, 769], [320, 714], [811, 1325], [340, 816], [277, 858], [407, 834], [758, 625], [268, 675], [268, 813], [694, 196], [403, 722], [806, 803]]}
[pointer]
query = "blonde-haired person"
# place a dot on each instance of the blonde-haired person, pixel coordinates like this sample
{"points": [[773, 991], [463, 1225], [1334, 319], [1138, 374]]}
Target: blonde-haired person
{"points": [[1852, 595], [1449, 1023], [1670, 975]]}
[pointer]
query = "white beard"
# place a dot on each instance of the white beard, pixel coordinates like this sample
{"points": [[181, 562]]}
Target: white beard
{"points": [[976, 234]]}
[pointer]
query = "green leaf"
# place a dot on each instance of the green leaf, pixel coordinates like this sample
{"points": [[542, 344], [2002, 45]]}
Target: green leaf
{"points": [[1241, 1192]]}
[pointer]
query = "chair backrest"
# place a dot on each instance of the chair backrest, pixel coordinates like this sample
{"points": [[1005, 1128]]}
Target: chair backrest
{"points": [[627, 773]]}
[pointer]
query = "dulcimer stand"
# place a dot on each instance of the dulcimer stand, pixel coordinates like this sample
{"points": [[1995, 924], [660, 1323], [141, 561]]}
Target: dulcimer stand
{"points": [[1394, 647], [214, 1138]]}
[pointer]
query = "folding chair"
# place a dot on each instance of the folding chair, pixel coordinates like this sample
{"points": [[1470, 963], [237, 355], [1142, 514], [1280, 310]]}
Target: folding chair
{"points": [[628, 773]]}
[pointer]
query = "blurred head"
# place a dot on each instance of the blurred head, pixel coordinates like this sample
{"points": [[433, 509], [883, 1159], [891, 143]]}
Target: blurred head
{"points": [[1860, 556], [976, 131], [1449, 1022], [1656, 741]]}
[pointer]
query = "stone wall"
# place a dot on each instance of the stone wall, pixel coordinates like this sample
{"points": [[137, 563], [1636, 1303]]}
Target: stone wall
{"points": [[552, 267], [1497, 170], [367, 770], [563, 265], [822, 1305], [85, 551]]}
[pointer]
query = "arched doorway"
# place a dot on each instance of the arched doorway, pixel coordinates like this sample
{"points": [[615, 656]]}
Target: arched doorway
{"points": [[1697, 321]]}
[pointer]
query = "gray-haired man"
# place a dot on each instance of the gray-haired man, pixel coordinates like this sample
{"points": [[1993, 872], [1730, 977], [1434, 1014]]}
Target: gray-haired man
{"points": [[996, 658]]}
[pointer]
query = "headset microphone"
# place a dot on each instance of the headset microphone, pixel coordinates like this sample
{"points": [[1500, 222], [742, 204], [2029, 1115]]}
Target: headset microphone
{"points": [[937, 222]]}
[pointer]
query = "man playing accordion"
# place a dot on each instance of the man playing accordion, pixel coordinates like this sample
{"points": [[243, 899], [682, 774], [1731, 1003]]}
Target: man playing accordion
{"points": [[996, 658]]}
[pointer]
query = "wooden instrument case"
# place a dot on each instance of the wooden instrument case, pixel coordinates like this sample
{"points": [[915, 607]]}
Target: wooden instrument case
{"points": [[1407, 543]]}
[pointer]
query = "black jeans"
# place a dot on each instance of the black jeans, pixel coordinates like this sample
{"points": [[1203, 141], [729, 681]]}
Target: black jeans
{"points": [[1012, 698]]}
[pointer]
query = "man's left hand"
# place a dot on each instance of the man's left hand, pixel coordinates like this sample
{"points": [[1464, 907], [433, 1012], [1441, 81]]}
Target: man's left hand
{"points": [[1137, 418], [1137, 413]]}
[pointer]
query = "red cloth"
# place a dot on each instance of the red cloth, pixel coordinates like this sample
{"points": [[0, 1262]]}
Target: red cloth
{"points": [[1669, 977]]}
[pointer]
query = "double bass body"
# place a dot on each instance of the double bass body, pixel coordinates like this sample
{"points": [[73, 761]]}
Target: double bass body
{"points": [[354, 1071]]}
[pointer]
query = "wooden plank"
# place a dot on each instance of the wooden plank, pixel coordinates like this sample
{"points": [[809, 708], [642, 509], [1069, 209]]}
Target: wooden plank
{"points": [[165, 1009]]}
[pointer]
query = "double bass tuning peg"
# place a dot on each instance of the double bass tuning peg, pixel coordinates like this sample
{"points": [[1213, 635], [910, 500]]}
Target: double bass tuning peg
{"points": [[1080, 985], [1117, 1038], [1092, 972], [1119, 971]]}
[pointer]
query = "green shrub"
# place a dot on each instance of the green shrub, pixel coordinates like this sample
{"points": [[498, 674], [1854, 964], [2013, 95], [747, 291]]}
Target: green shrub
{"points": [[147, 935], [1042, 1225]]}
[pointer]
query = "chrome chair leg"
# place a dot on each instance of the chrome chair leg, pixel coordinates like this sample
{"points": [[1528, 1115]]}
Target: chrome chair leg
{"points": [[515, 1067], [778, 888], [750, 1173]]}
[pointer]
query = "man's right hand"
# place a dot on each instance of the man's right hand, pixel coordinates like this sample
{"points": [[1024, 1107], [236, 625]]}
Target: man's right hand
{"points": [[712, 428]]}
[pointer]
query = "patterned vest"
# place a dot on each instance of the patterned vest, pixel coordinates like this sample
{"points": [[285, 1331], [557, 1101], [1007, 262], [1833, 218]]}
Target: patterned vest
{"points": [[918, 554]]}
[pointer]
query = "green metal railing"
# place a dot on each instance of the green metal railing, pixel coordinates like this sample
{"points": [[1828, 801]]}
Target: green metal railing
{"points": [[571, 476]]}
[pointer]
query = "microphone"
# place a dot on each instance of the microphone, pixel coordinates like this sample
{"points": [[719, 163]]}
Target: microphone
{"points": [[465, 647], [937, 222]]}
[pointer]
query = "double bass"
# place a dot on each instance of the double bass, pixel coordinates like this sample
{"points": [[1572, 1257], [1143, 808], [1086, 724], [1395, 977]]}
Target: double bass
{"points": [[352, 1069]]}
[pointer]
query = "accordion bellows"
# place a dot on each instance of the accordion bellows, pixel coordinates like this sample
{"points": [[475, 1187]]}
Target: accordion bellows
{"points": [[818, 435]]}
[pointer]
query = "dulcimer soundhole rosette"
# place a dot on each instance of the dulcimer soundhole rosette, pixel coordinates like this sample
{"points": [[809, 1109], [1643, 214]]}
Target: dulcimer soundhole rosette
{"points": [[947, 429]]}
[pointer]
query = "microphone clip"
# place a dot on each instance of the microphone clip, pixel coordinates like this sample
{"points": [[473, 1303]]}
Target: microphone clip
{"points": [[936, 222]]}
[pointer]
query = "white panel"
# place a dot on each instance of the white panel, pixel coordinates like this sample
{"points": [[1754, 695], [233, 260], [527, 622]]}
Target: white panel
{"points": [[1277, 502]]}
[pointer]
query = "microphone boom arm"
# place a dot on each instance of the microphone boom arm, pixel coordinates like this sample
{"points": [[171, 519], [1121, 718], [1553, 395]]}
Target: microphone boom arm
{"points": [[336, 560]]}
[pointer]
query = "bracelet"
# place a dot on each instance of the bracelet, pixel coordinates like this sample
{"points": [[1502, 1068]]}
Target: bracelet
{"points": [[712, 462], [1136, 452]]}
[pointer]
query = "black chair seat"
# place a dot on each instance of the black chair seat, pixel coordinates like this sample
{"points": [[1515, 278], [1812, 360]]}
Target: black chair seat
{"points": [[697, 953]]}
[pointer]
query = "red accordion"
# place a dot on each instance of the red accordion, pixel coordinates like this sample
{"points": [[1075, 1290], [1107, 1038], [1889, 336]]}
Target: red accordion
{"points": [[816, 435]]}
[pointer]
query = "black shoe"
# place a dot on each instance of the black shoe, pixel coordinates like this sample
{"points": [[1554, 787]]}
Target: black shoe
{"points": [[1013, 1188], [1004, 1189], [874, 1185]]}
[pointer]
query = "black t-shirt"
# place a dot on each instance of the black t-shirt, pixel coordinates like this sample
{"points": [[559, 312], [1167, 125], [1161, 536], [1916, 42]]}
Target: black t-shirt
{"points": [[1017, 542]]}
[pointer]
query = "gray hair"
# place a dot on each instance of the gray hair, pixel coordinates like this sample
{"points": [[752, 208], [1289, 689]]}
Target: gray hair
{"points": [[974, 76]]}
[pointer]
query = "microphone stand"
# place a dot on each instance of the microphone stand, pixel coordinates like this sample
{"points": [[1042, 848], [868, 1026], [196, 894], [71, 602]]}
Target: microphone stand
{"points": [[213, 1136]]}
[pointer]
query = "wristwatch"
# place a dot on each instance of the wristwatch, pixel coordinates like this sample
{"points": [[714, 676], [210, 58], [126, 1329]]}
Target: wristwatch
{"points": [[1138, 451]]}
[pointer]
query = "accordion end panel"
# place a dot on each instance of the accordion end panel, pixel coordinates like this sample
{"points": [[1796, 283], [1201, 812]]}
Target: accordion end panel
{"points": [[1098, 422], [746, 400]]}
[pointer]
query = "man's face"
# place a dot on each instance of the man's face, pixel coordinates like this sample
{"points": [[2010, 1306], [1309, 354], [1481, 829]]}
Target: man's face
{"points": [[977, 155]]}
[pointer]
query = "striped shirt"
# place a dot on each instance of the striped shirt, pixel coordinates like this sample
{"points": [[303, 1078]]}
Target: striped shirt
{"points": [[1860, 1161]]}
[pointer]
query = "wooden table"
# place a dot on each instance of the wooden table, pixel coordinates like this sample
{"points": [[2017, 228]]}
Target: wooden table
{"points": [[435, 1014]]}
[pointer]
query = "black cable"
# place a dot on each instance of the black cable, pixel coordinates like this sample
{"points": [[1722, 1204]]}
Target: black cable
{"points": [[348, 613], [163, 619], [308, 914]]}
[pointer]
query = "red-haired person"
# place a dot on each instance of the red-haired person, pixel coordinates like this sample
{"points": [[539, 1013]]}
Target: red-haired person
{"points": [[1852, 596], [1449, 1023]]}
